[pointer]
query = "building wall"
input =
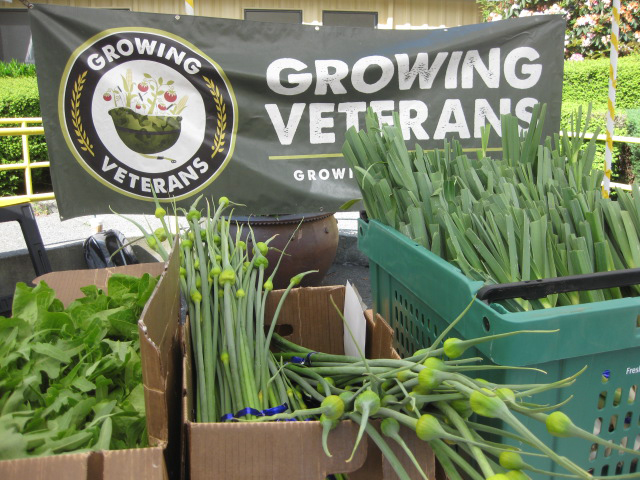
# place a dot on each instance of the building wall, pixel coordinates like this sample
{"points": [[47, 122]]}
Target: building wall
{"points": [[401, 14]]}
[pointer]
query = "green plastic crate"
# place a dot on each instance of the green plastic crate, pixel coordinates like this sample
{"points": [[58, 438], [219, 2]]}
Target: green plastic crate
{"points": [[420, 294]]}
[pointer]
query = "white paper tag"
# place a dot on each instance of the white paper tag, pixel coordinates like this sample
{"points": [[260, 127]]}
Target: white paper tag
{"points": [[354, 317]]}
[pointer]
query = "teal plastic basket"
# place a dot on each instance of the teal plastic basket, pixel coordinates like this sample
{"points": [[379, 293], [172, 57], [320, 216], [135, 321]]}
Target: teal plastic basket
{"points": [[419, 294]]}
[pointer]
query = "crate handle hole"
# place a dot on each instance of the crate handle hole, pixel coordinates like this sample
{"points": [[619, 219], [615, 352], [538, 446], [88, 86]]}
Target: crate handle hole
{"points": [[619, 468], [632, 394], [617, 396], [602, 400], [594, 452], [597, 426], [627, 420], [638, 321], [605, 471], [634, 466], [623, 444], [486, 324], [613, 422]]}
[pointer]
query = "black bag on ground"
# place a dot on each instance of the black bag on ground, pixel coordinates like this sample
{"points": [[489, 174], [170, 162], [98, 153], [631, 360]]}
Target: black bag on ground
{"points": [[108, 249]]}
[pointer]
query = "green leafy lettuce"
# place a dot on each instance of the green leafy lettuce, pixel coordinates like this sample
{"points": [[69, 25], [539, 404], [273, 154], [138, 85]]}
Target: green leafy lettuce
{"points": [[71, 379]]}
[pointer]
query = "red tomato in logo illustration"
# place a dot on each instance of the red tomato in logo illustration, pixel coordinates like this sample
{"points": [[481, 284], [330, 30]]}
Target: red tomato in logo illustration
{"points": [[138, 106], [170, 96], [107, 97], [162, 107], [143, 86]]}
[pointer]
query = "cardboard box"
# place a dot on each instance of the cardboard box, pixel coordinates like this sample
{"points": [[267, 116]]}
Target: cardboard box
{"points": [[293, 450], [161, 364]]}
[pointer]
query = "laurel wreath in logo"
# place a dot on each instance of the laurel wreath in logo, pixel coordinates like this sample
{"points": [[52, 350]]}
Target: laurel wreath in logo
{"points": [[81, 135], [221, 110]]}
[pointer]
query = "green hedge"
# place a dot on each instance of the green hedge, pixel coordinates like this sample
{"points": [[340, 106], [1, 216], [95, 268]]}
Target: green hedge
{"points": [[19, 98], [633, 125], [588, 81]]}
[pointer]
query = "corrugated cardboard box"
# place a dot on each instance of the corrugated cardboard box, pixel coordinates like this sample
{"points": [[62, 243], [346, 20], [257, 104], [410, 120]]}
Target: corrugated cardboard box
{"points": [[293, 450], [161, 365]]}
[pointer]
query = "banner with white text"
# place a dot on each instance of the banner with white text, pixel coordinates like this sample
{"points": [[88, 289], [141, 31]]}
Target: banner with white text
{"points": [[136, 103]]}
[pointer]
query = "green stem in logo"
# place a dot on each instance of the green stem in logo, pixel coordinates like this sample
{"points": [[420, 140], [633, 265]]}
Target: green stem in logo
{"points": [[127, 84]]}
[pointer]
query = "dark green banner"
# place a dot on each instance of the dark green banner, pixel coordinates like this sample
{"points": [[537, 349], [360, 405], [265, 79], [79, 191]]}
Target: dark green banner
{"points": [[181, 105]]}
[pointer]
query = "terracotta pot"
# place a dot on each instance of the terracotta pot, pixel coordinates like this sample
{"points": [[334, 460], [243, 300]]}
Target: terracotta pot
{"points": [[313, 246]]}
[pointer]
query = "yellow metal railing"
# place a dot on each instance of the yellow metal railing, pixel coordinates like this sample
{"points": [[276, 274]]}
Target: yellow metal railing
{"points": [[24, 130]]}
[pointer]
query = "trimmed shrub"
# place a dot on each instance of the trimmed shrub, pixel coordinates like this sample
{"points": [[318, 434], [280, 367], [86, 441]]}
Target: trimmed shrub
{"points": [[19, 98], [633, 126], [588, 81]]}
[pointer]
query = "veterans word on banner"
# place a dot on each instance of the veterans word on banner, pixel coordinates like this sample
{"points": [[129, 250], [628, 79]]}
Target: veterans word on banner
{"points": [[137, 103]]}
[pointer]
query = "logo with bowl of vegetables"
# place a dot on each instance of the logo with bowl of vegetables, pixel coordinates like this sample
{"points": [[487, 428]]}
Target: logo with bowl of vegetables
{"points": [[145, 111]]}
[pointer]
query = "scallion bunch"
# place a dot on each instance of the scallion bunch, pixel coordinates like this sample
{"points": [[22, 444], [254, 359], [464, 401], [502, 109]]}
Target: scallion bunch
{"points": [[537, 212], [226, 288]]}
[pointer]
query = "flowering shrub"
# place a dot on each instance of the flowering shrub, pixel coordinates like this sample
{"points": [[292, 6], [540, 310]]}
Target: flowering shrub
{"points": [[588, 22]]}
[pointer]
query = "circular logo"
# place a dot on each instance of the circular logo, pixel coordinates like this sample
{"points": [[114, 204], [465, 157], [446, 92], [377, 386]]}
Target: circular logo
{"points": [[144, 111]]}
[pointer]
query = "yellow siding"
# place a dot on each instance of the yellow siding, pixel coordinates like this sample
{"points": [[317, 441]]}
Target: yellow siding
{"points": [[401, 14]]}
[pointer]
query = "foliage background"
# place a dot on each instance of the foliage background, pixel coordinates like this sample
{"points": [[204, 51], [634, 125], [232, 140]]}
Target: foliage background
{"points": [[588, 22]]}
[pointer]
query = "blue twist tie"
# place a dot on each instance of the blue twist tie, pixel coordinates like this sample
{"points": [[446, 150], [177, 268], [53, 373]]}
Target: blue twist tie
{"points": [[228, 416], [307, 359], [248, 411], [275, 410]]}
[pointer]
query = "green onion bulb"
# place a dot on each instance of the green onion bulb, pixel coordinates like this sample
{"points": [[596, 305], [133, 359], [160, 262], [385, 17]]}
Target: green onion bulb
{"points": [[559, 425], [428, 428], [453, 347], [484, 405], [333, 407], [511, 461]]}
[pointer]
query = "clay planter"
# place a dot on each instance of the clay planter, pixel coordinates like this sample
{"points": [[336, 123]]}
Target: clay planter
{"points": [[313, 246]]}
